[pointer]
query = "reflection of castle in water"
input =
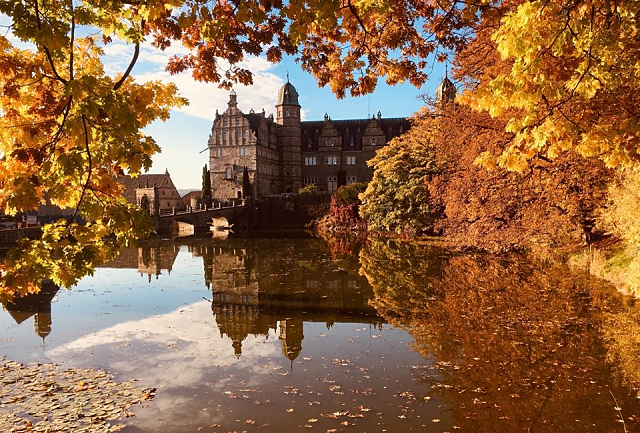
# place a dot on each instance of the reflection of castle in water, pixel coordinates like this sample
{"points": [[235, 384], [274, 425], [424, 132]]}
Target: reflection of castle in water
{"points": [[147, 260], [37, 305], [259, 285]]}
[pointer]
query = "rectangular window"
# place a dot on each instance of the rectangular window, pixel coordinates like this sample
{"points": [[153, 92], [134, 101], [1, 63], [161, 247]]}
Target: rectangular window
{"points": [[351, 160], [332, 160], [310, 160], [373, 141], [244, 151], [219, 153], [332, 183], [310, 180], [351, 180]]}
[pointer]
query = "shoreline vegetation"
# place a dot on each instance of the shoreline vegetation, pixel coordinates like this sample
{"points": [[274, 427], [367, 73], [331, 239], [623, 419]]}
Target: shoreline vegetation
{"points": [[429, 184]]}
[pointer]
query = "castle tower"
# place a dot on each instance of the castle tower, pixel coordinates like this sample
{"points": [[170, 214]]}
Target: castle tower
{"points": [[288, 133], [291, 336], [446, 90]]}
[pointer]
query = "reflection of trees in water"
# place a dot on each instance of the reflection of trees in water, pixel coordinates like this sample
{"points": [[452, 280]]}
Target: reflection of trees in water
{"points": [[518, 344], [622, 333]]}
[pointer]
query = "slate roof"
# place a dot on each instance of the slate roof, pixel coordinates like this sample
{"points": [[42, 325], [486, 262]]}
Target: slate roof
{"points": [[351, 128], [142, 181], [186, 199], [254, 120]]}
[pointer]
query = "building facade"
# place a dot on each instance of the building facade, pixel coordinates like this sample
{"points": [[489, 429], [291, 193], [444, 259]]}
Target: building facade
{"points": [[284, 154], [153, 192]]}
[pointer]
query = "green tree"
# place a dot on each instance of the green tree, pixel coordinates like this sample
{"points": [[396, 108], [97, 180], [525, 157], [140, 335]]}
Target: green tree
{"points": [[397, 199], [246, 183], [205, 195]]}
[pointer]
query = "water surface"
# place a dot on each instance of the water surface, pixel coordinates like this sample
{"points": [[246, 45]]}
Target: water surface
{"points": [[276, 334]]}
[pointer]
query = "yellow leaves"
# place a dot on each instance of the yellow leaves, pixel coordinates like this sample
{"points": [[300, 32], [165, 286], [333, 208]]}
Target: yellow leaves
{"points": [[569, 81], [66, 135], [487, 161]]}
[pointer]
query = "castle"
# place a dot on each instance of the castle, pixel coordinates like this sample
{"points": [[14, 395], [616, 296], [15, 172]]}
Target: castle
{"points": [[282, 155]]}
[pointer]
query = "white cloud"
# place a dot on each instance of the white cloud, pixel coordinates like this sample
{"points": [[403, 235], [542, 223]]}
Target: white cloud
{"points": [[200, 347], [166, 351], [204, 98]]}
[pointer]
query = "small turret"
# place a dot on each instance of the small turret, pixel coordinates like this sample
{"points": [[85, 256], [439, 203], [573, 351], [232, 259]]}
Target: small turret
{"points": [[446, 90], [233, 99]]}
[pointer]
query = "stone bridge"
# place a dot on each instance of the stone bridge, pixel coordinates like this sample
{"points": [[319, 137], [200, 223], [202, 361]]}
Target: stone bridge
{"points": [[198, 220]]}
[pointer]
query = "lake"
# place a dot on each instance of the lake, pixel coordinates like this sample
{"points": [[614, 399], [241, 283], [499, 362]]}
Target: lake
{"points": [[272, 334]]}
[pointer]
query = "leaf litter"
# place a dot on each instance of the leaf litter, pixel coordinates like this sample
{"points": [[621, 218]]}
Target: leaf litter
{"points": [[46, 398]]}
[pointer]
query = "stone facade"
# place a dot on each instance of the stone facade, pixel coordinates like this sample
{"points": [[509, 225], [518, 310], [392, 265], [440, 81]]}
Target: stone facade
{"points": [[154, 192], [285, 154]]}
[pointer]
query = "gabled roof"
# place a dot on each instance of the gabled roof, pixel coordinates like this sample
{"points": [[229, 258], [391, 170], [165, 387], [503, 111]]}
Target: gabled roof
{"points": [[143, 181], [254, 120], [353, 128]]}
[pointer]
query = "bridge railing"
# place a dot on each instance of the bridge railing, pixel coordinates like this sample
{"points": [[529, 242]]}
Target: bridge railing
{"points": [[198, 209]]}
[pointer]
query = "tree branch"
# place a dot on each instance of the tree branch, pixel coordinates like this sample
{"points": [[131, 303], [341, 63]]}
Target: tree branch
{"points": [[129, 68], [86, 185], [136, 53], [73, 33], [46, 50]]}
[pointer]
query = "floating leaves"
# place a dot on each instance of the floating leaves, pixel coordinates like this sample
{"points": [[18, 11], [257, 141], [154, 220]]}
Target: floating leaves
{"points": [[45, 398]]}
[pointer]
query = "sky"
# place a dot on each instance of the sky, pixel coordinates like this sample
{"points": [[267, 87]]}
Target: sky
{"points": [[183, 138]]}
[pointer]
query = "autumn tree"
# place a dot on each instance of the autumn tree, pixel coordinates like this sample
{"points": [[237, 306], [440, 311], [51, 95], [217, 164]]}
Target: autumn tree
{"points": [[550, 206], [572, 81], [67, 132], [344, 211]]}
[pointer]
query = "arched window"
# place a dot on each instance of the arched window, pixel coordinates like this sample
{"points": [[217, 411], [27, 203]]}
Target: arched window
{"points": [[229, 174]]}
